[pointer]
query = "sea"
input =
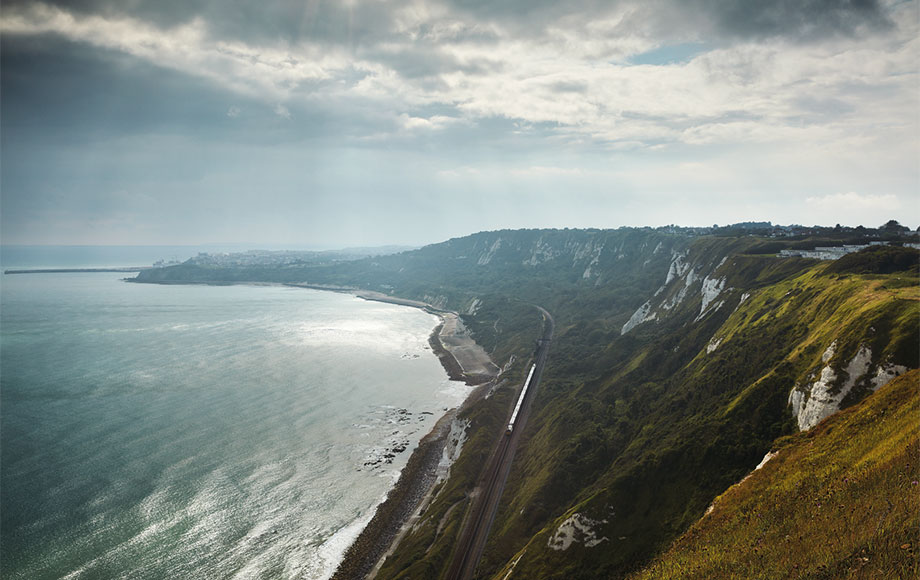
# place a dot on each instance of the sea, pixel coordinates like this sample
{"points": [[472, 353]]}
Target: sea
{"points": [[208, 432]]}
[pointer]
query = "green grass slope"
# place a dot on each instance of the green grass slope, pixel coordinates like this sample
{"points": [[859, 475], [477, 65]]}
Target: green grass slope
{"points": [[839, 501]]}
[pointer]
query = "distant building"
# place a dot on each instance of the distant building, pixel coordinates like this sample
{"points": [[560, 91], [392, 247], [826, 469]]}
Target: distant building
{"points": [[828, 253]]}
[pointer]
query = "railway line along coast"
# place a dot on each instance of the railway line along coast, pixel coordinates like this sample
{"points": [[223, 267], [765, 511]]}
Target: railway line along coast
{"points": [[481, 514]]}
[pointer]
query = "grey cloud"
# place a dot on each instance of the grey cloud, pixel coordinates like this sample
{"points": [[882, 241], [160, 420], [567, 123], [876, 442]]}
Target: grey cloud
{"points": [[815, 109], [246, 20], [369, 29], [798, 19], [72, 92], [369, 22], [570, 87], [414, 64], [801, 20], [419, 62], [66, 88]]}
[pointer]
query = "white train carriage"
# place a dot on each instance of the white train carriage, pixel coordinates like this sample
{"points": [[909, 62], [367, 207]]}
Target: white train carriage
{"points": [[517, 407]]}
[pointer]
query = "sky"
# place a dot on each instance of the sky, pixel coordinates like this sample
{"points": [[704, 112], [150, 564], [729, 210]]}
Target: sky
{"points": [[342, 123]]}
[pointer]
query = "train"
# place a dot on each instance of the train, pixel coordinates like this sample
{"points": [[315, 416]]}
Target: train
{"points": [[520, 400]]}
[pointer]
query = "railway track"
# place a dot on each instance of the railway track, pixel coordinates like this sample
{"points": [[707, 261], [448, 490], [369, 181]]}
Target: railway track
{"points": [[475, 531]]}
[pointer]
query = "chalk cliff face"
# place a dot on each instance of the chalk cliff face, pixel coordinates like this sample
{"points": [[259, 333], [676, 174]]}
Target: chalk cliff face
{"points": [[689, 277], [678, 361], [813, 402]]}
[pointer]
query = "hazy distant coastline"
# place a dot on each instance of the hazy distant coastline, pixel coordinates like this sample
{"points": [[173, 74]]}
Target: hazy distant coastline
{"points": [[75, 270]]}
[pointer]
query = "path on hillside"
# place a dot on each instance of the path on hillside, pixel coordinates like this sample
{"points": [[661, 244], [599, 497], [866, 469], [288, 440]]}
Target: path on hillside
{"points": [[479, 518]]}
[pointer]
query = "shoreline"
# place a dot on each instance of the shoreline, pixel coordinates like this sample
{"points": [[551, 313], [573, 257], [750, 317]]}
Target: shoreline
{"points": [[412, 490], [415, 480], [463, 360], [379, 537]]}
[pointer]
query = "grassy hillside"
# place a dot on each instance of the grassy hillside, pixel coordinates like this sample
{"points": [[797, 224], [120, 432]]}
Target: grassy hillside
{"points": [[839, 501], [643, 447]]}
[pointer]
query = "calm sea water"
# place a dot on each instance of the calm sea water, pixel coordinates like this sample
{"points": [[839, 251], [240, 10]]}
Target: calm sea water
{"points": [[200, 432]]}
